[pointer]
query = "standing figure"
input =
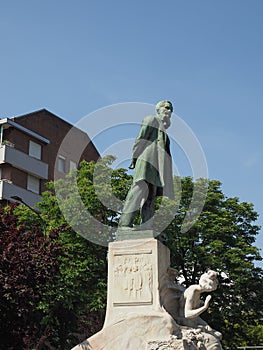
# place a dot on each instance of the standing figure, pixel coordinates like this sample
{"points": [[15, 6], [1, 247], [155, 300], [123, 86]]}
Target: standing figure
{"points": [[151, 161]]}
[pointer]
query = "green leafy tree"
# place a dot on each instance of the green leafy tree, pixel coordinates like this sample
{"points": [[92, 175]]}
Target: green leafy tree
{"points": [[77, 301], [222, 239]]}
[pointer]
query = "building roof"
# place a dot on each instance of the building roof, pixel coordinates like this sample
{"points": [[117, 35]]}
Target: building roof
{"points": [[10, 122]]}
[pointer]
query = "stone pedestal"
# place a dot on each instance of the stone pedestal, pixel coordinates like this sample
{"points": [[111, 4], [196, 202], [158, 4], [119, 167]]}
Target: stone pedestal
{"points": [[139, 290], [135, 268]]}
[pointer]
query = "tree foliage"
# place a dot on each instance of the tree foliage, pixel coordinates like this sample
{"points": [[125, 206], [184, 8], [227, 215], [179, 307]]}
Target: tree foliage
{"points": [[28, 270], [222, 238], [73, 307]]}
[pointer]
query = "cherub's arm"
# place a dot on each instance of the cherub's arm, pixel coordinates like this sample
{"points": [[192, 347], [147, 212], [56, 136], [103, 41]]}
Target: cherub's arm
{"points": [[190, 311]]}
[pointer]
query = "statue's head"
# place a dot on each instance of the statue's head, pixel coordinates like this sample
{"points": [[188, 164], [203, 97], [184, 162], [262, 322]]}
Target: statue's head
{"points": [[164, 110], [163, 104], [208, 281]]}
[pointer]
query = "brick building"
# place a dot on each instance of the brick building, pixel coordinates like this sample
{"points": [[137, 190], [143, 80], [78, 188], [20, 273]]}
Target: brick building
{"points": [[33, 151]]}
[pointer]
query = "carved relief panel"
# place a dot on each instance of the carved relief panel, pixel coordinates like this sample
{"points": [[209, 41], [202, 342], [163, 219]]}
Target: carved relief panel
{"points": [[133, 278]]}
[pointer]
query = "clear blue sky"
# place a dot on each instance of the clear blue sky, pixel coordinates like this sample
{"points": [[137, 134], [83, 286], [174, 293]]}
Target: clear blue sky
{"points": [[73, 57]]}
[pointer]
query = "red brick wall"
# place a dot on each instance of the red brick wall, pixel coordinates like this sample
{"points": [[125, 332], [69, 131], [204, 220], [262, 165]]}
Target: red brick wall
{"points": [[6, 171], [19, 139], [55, 129], [18, 177]]}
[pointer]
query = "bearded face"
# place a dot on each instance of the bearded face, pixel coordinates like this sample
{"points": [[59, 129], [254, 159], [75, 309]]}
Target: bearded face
{"points": [[165, 112]]}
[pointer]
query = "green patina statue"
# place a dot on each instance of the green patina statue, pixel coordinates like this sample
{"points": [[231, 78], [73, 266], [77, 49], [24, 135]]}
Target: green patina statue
{"points": [[151, 161]]}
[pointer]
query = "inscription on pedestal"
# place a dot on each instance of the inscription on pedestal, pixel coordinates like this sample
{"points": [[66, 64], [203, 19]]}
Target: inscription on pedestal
{"points": [[133, 278]]}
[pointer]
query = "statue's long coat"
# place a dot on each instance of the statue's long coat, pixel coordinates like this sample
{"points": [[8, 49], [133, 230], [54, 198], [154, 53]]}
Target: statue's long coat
{"points": [[153, 158]]}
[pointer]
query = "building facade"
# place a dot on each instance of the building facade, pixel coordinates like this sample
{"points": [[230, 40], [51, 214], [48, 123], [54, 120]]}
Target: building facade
{"points": [[33, 151]]}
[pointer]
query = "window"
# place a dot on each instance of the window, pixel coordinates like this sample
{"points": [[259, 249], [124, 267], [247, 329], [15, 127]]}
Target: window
{"points": [[33, 184], [35, 149], [61, 164], [72, 165]]}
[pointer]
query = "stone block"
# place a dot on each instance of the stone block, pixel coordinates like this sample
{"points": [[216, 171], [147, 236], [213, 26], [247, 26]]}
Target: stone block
{"points": [[135, 268]]}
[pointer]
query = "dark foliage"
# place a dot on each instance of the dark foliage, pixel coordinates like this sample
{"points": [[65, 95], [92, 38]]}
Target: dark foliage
{"points": [[28, 269]]}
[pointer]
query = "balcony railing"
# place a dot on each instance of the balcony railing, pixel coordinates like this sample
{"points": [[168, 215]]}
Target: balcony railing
{"points": [[23, 161], [7, 190]]}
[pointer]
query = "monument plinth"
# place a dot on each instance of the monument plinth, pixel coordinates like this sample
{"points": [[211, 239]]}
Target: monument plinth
{"points": [[143, 301], [135, 269]]}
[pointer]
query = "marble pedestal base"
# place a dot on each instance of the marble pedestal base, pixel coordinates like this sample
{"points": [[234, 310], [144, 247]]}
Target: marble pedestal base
{"points": [[138, 271]]}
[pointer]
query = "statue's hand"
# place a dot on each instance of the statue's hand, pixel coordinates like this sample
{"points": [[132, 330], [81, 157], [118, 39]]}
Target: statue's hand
{"points": [[207, 300], [133, 163]]}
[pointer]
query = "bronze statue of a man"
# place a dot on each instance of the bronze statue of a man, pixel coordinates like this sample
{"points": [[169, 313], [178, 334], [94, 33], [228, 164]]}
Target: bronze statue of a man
{"points": [[151, 161]]}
